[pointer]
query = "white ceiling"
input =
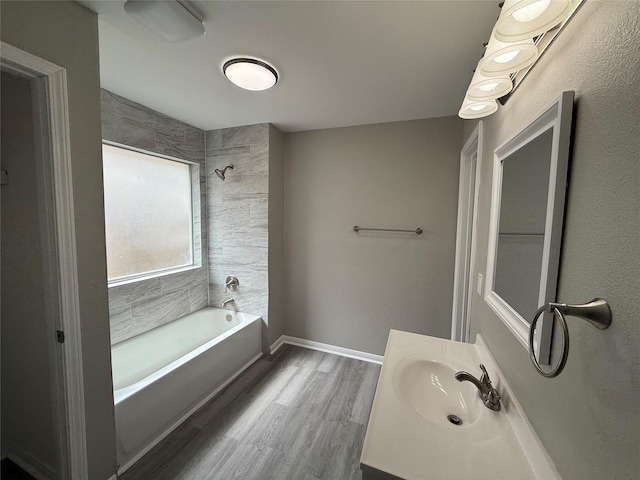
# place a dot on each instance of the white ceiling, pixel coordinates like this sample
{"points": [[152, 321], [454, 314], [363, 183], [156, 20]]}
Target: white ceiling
{"points": [[341, 63]]}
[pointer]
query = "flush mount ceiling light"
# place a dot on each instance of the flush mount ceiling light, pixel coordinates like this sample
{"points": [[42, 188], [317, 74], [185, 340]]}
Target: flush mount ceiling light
{"points": [[503, 58], [522, 19], [471, 109], [173, 20], [488, 88], [250, 74]]}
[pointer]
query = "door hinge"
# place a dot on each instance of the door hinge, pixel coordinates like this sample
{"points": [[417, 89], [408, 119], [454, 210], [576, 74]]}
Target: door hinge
{"points": [[4, 177], [60, 336]]}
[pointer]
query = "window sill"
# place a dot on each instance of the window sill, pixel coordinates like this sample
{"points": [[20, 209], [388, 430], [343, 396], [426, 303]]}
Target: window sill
{"points": [[152, 276]]}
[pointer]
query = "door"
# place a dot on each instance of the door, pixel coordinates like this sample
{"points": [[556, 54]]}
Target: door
{"points": [[467, 198]]}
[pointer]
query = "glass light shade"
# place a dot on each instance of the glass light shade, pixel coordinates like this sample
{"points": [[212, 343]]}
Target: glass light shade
{"points": [[488, 88], [522, 19], [250, 74], [170, 20], [471, 109], [502, 58]]}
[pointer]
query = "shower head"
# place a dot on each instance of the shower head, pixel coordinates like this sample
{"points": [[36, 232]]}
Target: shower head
{"points": [[220, 173]]}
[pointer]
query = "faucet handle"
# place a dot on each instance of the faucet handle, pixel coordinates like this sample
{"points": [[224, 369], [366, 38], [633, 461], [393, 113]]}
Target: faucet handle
{"points": [[484, 379]]}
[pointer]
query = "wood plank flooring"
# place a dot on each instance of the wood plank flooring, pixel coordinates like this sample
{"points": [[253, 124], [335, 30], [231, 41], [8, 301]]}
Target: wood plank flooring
{"points": [[299, 415]]}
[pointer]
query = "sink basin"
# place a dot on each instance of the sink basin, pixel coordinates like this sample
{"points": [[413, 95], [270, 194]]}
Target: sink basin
{"points": [[430, 389]]}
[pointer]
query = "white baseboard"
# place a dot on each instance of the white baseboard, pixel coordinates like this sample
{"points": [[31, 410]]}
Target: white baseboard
{"points": [[324, 347], [30, 464], [163, 435]]}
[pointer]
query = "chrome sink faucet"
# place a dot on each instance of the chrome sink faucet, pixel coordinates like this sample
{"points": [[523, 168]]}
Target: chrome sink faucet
{"points": [[490, 396]]}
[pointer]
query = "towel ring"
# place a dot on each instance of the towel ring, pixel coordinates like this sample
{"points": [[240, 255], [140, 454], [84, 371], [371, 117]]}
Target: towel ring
{"points": [[596, 312], [565, 344]]}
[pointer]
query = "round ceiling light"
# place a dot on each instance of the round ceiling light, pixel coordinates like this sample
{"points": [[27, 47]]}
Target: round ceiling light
{"points": [[250, 74]]}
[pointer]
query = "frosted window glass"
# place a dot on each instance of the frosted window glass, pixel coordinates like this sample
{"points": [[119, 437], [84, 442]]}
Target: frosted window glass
{"points": [[147, 212]]}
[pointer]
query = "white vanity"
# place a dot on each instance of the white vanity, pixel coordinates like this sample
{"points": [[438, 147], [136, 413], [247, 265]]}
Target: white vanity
{"points": [[409, 436]]}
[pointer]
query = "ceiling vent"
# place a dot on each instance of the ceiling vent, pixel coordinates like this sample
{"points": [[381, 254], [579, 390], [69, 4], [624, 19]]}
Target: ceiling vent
{"points": [[175, 21]]}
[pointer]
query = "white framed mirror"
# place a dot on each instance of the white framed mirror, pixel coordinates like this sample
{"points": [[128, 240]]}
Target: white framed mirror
{"points": [[527, 212]]}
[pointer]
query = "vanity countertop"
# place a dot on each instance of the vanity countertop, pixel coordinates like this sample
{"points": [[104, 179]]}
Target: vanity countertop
{"points": [[403, 444]]}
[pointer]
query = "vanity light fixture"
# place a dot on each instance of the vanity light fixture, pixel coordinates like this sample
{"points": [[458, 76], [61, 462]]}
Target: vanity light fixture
{"points": [[250, 74], [524, 30], [502, 58], [477, 109], [488, 88], [174, 20], [525, 19]]}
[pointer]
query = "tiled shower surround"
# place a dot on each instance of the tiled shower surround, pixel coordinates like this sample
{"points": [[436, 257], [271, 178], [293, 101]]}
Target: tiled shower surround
{"points": [[142, 305], [233, 218], [237, 215]]}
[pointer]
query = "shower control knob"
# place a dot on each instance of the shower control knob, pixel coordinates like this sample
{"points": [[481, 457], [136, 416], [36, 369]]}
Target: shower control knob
{"points": [[232, 283]]}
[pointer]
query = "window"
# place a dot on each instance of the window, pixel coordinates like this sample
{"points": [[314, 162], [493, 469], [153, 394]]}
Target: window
{"points": [[148, 213]]}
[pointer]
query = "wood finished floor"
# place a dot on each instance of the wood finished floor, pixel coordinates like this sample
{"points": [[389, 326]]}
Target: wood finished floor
{"points": [[300, 415]]}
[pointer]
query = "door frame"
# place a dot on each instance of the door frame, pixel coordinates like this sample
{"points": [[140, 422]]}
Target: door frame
{"points": [[468, 190], [53, 158]]}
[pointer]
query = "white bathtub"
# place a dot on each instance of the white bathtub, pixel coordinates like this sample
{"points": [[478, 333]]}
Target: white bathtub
{"points": [[162, 376]]}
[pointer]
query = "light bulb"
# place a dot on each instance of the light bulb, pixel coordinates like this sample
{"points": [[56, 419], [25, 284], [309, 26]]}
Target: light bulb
{"points": [[477, 108], [506, 57], [488, 87], [531, 11]]}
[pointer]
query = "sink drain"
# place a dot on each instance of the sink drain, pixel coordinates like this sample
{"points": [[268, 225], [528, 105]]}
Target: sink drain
{"points": [[456, 420]]}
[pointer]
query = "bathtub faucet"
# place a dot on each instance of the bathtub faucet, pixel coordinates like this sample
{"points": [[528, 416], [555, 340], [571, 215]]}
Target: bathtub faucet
{"points": [[229, 301]]}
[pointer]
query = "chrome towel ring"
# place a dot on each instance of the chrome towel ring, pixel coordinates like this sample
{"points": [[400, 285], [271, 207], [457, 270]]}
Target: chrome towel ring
{"points": [[596, 312]]}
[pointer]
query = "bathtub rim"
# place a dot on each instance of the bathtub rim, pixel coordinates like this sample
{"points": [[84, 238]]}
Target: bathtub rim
{"points": [[123, 393]]}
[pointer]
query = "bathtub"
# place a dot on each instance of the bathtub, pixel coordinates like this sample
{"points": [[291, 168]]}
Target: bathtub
{"points": [[164, 375]]}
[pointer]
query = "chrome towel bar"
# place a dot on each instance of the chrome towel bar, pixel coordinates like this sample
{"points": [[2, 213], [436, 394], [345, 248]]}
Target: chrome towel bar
{"points": [[417, 231]]}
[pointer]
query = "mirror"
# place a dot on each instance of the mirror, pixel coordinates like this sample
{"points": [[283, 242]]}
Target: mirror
{"points": [[527, 210]]}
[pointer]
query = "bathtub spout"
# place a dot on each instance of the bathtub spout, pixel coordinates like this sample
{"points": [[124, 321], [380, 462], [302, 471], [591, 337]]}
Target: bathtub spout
{"points": [[229, 301]]}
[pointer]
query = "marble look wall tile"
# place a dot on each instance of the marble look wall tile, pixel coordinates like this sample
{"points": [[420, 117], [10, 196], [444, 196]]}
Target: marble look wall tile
{"points": [[213, 141], [120, 331], [195, 138], [237, 215], [199, 296], [120, 323], [256, 183], [119, 314], [239, 157], [251, 237], [260, 278], [260, 158], [135, 114], [227, 217], [148, 314], [112, 114], [183, 279], [130, 292], [178, 148], [153, 302], [132, 135], [247, 135], [260, 212]]}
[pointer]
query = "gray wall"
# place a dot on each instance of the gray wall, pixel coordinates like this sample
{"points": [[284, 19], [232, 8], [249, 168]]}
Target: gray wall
{"points": [[237, 212], [27, 421], [139, 306], [588, 417], [346, 288], [276, 235], [66, 34]]}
